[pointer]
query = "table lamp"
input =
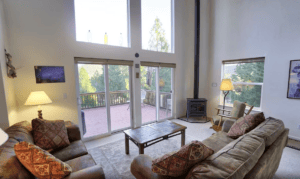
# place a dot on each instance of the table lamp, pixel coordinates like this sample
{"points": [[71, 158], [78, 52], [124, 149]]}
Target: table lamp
{"points": [[3, 137], [226, 86], [38, 98]]}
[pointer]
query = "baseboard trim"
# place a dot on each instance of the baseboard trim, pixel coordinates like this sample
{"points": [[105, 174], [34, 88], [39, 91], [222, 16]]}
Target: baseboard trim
{"points": [[294, 138]]}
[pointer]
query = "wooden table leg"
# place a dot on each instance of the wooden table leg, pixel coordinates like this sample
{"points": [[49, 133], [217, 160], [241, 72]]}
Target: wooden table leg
{"points": [[141, 148], [126, 144], [182, 137]]}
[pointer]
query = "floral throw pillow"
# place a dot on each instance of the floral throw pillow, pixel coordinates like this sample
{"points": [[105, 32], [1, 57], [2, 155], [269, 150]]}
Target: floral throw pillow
{"points": [[40, 163], [50, 134], [245, 124], [180, 162]]}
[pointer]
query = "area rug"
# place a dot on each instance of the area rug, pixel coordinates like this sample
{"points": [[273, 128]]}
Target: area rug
{"points": [[116, 164], [294, 144]]}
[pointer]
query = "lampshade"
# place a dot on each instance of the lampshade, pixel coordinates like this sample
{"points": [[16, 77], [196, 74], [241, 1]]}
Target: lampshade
{"points": [[226, 85], [3, 137], [38, 98]]}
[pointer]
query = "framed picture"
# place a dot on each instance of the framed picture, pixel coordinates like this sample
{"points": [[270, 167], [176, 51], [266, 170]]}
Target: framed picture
{"points": [[294, 80], [49, 74]]}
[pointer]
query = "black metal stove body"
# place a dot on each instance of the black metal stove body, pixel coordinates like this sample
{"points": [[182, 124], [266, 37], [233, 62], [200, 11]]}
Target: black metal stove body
{"points": [[196, 108]]}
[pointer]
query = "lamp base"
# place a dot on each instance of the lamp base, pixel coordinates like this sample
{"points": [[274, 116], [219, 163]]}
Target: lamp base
{"points": [[40, 114]]}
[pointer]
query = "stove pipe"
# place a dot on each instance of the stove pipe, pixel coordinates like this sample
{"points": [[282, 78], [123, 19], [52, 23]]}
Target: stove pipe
{"points": [[197, 49]]}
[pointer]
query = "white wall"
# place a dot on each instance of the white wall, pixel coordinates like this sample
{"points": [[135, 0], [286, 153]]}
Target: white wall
{"points": [[42, 32], [7, 94], [270, 28]]}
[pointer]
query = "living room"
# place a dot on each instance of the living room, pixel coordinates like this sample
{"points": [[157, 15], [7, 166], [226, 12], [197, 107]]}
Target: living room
{"points": [[43, 33]]}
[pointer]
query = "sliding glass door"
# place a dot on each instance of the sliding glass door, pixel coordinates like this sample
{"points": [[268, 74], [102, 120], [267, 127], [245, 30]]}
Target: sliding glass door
{"points": [[105, 96], [156, 93], [119, 90]]}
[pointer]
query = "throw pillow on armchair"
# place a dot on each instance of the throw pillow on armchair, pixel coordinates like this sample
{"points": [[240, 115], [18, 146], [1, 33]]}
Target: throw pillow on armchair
{"points": [[50, 135]]}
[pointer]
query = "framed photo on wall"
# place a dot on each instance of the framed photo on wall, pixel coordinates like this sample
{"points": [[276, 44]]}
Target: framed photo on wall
{"points": [[49, 74], [294, 80]]}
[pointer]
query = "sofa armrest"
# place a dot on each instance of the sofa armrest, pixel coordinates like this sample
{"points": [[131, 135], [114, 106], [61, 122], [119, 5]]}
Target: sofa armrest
{"points": [[73, 131], [141, 168], [227, 125], [95, 172]]}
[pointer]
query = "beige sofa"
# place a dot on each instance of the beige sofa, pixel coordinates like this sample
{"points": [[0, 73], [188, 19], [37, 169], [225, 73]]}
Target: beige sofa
{"points": [[76, 154], [256, 154]]}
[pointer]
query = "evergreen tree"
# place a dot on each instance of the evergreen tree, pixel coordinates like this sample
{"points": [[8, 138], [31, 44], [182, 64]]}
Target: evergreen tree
{"points": [[157, 41], [84, 82], [97, 81], [248, 72], [86, 87]]}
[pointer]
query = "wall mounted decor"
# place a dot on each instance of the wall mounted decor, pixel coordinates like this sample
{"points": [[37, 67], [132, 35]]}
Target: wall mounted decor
{"points": [[49, 74], [294, 80], [11, 70]]}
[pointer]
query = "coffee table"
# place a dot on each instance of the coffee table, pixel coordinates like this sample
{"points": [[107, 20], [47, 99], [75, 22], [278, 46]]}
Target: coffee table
{"points": [[148, 135]]}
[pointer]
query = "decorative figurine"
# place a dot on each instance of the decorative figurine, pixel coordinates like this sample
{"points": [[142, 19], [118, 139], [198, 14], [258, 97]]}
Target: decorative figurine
{"points": [[11, 70]]}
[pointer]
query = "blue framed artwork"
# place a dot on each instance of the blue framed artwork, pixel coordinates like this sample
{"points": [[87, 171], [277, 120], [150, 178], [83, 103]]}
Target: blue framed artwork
{"points": [[49, 74], [294, 80]]}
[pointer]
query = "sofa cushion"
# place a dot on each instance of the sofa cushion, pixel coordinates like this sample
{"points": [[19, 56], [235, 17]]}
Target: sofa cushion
{"points": [[73, 131], [269, 130], [80, 163], [217, 141], [41, 163], [245, 124], [50, 134], [178, 163], [21, 131], [75, 149], [10, 166], [235, 160], [238, 109], [268, 164]]}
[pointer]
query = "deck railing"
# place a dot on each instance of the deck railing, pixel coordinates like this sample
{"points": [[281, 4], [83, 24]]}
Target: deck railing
{"points": [[94, 100]]}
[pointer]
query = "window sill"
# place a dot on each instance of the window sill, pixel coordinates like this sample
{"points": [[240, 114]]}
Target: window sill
{"points": [[230, 108]]}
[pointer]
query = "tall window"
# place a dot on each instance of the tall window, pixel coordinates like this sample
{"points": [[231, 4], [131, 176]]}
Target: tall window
{"points": [[157, 25], [102, 22], [247, 76]]}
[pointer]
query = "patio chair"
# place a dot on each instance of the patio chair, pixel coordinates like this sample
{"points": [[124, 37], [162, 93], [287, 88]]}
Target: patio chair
{"points": [[169, 106], [238, 110], [143, 96]]}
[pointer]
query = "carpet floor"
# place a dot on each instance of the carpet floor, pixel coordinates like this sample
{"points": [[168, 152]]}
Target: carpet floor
{"points": [[110, 152], [116, 164]]}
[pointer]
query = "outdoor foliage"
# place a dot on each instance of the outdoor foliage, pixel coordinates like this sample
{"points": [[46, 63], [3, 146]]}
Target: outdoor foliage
{"points": [[157, 41], [118, 81], [248, 72]]}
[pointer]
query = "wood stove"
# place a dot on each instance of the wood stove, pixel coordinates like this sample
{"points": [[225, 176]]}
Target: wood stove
{"points": [[196, 107]]}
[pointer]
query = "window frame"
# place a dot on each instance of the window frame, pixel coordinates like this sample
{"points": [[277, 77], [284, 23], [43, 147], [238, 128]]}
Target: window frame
{"points": [[242, 83], [172, 44], [128, 29]]}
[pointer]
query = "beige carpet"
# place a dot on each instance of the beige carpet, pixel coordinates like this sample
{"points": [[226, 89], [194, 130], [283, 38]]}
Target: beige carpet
{"points": [[116, 164]]}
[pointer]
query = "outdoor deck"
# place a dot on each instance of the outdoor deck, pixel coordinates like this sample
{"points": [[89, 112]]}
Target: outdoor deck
{"points": [[96, 118]]}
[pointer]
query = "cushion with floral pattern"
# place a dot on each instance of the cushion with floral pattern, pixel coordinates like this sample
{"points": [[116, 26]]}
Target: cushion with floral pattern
{"points": [[41, 163], [180, 162], [245, 124]]}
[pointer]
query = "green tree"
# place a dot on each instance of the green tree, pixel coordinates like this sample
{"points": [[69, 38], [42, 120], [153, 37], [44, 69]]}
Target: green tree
{"points": [[118, 76], [86, 87], [84, 82], [165, 77], [97, 81], [248, 72], [157, 41]]}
